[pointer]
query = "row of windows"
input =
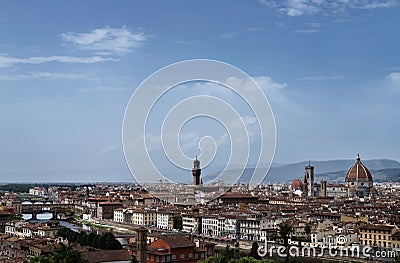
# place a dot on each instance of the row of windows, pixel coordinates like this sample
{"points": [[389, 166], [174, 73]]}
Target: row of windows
{"points": [[181, 256], [379, 243], [377, 231], [379, 236]]}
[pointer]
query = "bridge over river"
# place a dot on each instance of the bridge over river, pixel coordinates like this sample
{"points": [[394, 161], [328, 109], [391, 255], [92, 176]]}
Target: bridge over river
{"points": [[40, 207]]}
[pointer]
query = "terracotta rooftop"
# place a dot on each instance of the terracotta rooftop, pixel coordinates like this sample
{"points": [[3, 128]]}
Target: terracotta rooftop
{"points": [[358, 171], [177, 241], [107, 256]]}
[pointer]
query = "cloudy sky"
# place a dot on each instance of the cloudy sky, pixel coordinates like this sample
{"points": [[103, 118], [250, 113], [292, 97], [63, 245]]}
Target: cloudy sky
{"points": [[330, 70]]}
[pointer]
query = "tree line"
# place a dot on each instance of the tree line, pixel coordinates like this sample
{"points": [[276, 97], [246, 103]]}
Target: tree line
{"points": [[106, 241]]}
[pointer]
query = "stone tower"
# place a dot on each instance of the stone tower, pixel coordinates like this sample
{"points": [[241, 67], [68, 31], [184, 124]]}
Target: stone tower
{"points": [[196, 172], [323, 192], [309, 180], [141, 244]]}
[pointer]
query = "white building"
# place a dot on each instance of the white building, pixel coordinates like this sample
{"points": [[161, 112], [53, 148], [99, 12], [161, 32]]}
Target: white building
{"points": [[191, 223], [250, 228], [210, 225], [165, 220], [144, 217], [231, 227]]}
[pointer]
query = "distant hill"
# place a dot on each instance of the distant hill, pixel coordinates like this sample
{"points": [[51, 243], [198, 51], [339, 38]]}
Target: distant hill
{"points": [[332, 171]]}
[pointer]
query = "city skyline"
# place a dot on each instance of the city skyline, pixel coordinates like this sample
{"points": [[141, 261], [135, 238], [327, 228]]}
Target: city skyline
{"points": [[330, 71]]}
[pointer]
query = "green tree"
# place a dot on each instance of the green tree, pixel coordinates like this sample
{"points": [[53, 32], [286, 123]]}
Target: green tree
{"points": [[61, 254], [105, 241], [134, 259], [283, 235], [308, 230], [109, 242], [82, 239], [90, 239], [178, 222], [39, 259], [254, 251]]}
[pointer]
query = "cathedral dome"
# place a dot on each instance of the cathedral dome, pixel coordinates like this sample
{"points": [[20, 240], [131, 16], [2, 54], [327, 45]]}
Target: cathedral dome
{"points": [[297, 184], [358, 172]]}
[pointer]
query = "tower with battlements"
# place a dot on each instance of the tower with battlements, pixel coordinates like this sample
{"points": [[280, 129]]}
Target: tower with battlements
{"points": [[196, 171]]}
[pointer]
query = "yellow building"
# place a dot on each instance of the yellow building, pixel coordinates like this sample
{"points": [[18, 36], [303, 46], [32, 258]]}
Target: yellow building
{"points": [[377, 235]]}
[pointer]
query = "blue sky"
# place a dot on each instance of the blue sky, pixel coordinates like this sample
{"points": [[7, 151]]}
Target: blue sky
{"points": [[330, 70]]}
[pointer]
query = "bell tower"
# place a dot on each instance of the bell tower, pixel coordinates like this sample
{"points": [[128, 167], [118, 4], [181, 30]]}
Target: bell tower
{"points": [[141, 244], [196, 171], [309, 179]]}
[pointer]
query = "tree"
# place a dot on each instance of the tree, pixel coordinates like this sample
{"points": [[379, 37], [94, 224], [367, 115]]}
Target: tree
{"points": [[90, 238], [105, 241], [61, 254], [254, 251], [284, 232], [308, 230], [109, 242], [178, 222], [82, 239], [134, 259]]}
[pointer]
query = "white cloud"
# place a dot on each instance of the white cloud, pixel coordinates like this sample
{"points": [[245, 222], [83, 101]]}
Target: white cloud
{"points": [[102, 88], [312, 7], [307, 30], [41, 75], [320, 78], [109, 148], [251, 124], [394, 77], [8, 61], [266, 83], [107, 40]]}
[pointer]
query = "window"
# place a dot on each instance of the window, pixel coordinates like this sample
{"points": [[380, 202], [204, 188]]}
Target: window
{"points": [[182, 256], [173, 257], [190, 255]]}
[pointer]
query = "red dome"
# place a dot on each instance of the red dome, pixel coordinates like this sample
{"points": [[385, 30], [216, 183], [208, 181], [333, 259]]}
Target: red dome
{"points": [[358, 171], [297, 184]]}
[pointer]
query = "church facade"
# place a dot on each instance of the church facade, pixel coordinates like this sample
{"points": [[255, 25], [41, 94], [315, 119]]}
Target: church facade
{"points": [[358, 183]]}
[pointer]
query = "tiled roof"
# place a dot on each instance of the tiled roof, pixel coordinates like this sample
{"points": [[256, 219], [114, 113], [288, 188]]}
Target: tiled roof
{"points": [[176, 241], [107, 256], [358, 171]]}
